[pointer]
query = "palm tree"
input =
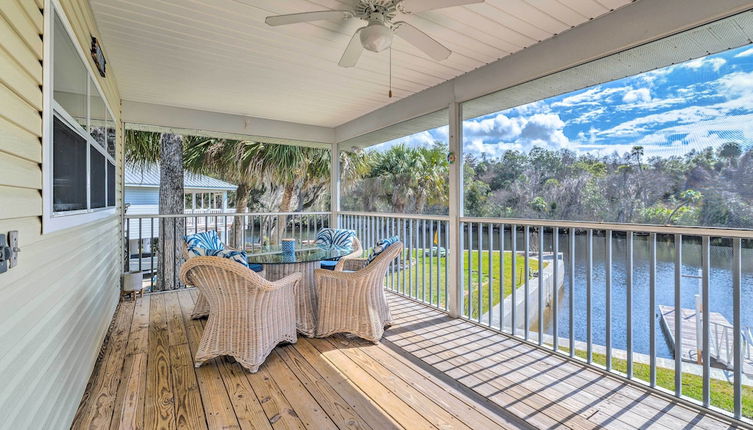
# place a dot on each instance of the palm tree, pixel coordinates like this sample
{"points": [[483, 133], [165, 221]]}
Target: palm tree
{"points": [[232, 161], [143, 148]]}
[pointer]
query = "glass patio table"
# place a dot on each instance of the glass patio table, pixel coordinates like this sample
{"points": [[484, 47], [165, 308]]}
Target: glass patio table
{"points": [[305, 259]]}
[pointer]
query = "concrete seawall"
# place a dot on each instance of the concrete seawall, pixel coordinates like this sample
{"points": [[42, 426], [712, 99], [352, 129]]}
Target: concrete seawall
{"points": [[548, 283]]}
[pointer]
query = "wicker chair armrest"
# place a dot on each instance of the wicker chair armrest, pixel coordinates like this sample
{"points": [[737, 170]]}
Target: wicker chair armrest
{"points": [[289, 280], [351, 264]]}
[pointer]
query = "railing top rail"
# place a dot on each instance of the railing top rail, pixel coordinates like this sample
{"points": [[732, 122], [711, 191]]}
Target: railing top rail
{"points": [[221, 214], [636, 228], [394, 215]]}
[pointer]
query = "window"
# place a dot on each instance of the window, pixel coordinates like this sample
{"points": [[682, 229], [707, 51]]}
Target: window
{"points": [[79, 164]]}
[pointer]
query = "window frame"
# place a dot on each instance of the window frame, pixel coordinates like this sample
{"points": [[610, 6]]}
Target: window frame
{"points": [[51, 220]]}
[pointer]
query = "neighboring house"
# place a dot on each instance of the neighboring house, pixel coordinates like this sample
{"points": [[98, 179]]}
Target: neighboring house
{"points": [[204, 196]]}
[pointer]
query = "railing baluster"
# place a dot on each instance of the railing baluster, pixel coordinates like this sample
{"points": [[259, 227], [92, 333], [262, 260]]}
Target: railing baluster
{"points": [[470, 269], [513, 276], [461, 249], [141, 246], [652, 309], [431, 263], [589, 280], [501, 277], [423, 260], [629, 305], [479, 268], [571, 293], [403, 262], [411, 255], [608, 296], [151, 255], [489, 288], [736, 326], [443, 242], [678, 316], [555, 286], [526, 276], [541, 286], [706, 314]]}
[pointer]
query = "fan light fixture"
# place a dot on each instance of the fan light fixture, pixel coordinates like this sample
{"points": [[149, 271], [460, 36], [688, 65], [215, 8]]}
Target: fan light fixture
{"points": [[376, 37]]}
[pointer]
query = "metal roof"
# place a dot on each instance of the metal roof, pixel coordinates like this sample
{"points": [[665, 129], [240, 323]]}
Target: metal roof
{"points": [[148, 176]]}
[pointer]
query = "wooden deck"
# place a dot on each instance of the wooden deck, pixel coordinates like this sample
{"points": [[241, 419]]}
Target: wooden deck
{"points": [[429, 372]]}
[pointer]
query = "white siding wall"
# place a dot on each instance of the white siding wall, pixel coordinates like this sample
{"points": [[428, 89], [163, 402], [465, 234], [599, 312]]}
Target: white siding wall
{"points": [[55, 306], [142, 196]]}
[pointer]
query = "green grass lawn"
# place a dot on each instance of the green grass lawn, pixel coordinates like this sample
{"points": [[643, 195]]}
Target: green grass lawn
{"points": [[692, 385], [425, 279]]}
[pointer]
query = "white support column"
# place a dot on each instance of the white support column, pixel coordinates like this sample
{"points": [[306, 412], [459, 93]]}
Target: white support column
{"points": [[334, 185], [455, 276]]}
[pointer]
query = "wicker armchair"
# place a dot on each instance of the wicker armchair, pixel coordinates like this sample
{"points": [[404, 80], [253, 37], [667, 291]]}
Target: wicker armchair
{"points": [[201, 307], [354, 302], [248, 315]]}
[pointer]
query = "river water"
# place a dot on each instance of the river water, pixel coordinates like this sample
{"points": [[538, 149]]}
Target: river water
{"points": [[720, 285]]}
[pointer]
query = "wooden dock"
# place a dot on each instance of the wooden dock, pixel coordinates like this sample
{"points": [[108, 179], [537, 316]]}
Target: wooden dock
{"points": [[721, 337]]}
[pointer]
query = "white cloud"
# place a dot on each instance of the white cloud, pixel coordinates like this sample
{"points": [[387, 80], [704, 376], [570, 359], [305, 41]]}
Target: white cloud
{"points": [[494, 135], [593, 96], [639, 95], [746, 53], [715, 63]]}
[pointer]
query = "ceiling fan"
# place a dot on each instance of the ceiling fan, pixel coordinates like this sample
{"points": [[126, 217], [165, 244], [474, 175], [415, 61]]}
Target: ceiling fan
{"points": [[376, 35]]}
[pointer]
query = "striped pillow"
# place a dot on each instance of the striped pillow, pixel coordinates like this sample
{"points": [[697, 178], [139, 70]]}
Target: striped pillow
{"points": [[381, 246], [335, 237], [237, 256], [207, 240]]}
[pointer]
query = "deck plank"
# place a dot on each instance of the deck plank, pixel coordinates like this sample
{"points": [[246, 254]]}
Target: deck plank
{"points": [[348, 390], [159, 412], [429, 371], [105, 387], [474, 415], [189, 410], [338, 410], [401, 411], [132, 388], [432, 408], [217, 406]]}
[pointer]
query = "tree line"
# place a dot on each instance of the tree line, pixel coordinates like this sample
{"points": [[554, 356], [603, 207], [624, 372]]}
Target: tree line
{"points": [[710, 187]]}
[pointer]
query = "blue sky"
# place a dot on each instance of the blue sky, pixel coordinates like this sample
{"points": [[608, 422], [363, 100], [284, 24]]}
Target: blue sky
{"points": [[669, 111]]}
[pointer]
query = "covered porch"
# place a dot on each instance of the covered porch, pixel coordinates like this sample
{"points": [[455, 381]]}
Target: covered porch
{"points": [[501, 319]]}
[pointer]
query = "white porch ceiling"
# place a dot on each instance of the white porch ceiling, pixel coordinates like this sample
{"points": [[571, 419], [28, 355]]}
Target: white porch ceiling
{"points": [[219, 56]]}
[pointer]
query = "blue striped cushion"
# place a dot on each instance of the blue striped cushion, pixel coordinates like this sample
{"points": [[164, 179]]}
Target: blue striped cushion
{"points": [[381, 246], [335, 237], [207, 240], [239, 257]]}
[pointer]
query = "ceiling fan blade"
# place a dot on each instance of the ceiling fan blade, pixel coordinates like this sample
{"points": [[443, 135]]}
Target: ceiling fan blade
{"points": [[422, 41], [353, 51], [293, 18], [416, 6]]}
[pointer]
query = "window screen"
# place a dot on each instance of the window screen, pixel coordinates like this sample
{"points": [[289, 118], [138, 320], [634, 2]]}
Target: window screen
{"points": [[98, 184], [110, 184], [69, 168]]}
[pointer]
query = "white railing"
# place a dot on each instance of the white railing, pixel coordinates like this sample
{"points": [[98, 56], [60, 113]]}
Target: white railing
{"points": [[421, 272], [587, 291], [247, 231], [593, 290]]}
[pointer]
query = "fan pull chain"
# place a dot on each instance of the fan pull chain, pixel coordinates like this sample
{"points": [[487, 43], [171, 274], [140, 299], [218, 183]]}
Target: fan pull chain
{"points": [[390, 72]]}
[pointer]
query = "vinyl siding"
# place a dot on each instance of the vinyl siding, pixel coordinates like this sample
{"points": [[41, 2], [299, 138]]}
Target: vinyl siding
{"points": [[57, 303], [139, 196]]}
